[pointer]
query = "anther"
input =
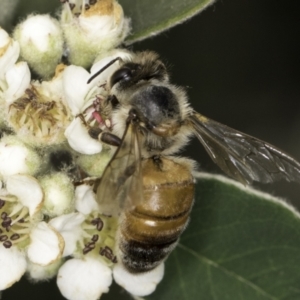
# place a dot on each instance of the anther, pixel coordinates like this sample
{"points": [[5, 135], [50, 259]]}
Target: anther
{"points": [[3, 215], [2, 203], [95, 238], [3, 238], [86, 250], [7, 244], [99, 223], [6, 223], [15, 236]]}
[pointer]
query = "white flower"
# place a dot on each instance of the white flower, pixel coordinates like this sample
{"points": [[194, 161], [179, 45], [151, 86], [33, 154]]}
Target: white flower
{"points": [[85, 99], [21, 232], [86, 278], [138, 284], [39, 117], [41, 42], [93, 29]]}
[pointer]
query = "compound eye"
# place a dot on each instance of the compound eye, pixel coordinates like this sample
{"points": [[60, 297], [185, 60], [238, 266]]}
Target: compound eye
{"points": [[123, 74]]}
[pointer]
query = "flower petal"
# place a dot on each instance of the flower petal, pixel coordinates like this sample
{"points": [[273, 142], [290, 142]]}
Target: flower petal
{"points": [[80, 140], [75, 87], [85, 279], [9, 52], [85, 200], [46, 245], [18, 80], [28, 191], [13, 266], [69, 227], [138, 284]]}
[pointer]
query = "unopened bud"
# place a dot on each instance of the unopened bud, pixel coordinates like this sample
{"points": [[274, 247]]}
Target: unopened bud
{"points": [[41, 42]]}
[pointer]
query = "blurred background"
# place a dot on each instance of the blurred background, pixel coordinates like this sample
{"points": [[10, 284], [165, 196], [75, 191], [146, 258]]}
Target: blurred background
{"points": [[239, 60]]}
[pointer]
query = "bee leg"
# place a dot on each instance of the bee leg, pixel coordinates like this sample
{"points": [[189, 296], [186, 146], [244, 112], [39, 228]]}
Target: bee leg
{"points": [[105, 137], [157, 162]]}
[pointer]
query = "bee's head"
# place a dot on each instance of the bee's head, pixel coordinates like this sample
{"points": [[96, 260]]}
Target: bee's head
{"points": [[145, 67]]}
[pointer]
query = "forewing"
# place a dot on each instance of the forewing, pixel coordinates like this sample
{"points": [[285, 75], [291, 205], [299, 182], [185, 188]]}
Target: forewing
{"points": [[242, 156], [121, 183]]}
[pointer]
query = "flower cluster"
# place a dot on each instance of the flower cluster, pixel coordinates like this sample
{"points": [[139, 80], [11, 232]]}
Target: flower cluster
{"points": [[51, 224]]}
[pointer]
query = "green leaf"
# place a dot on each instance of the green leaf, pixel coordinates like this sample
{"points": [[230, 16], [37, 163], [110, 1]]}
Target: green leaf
{"points": [[240, 244], [152, 17]]}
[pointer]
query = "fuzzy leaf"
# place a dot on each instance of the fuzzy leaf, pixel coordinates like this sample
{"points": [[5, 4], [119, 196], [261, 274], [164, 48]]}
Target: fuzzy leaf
{"points": [[152, 17], [240, 244]]}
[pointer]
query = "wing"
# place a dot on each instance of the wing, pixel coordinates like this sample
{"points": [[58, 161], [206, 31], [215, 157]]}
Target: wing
{"points": [[242, 156], [121, 182]]}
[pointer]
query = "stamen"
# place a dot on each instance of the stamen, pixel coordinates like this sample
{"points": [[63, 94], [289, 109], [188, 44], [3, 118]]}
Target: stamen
{"points": [[15, 237], [7, 244], [98, 222], [95, 238], [3, 215], [3, 238], [108, 253], [21, 216], [21, 239], [2, 203]]}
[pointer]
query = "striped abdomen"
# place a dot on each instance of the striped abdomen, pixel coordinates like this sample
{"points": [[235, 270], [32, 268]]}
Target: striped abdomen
{"points": [[150, 232]]}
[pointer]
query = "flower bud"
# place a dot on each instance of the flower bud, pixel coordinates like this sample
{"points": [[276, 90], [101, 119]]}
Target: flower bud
{"points": [[58, 194], [92, 29], [16, 157], [41, 42], [94, 165]]}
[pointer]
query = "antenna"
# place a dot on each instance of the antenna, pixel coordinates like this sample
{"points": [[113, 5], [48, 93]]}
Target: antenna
{"points": [[104, 68]]}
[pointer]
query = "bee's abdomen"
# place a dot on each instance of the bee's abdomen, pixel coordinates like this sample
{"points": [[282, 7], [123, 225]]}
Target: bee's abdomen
{"points": [[150, 232]]}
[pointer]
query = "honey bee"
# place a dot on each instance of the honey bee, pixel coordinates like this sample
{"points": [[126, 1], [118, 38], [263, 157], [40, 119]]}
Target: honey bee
{"points": [[145, 183]]}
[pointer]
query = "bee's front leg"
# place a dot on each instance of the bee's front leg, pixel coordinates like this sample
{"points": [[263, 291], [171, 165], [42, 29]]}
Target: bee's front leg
{"points": [[105, 137]]}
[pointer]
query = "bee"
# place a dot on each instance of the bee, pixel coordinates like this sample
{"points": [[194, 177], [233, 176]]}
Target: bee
{"points": [[145, 183]]}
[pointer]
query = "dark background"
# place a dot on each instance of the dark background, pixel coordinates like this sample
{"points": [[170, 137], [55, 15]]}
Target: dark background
{"points": [[240, 61]]}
